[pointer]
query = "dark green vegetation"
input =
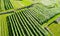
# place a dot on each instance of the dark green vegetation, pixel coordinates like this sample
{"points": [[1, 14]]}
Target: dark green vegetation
{"points": [[30, 19], [7, 4], [25, 24], [22, 24]]}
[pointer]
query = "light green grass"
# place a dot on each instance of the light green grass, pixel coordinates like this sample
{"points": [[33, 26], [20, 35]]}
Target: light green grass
{"points": [[2, 6], [55, 29], [3, 26], [20, 4]]}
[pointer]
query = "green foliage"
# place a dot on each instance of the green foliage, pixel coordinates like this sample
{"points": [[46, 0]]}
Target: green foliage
{"points": [[28, 20], [27, 23]]}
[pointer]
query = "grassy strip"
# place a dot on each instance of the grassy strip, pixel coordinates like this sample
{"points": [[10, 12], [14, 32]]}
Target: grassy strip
{"points": [[2, 5], [51, 20], [3, 23]]}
